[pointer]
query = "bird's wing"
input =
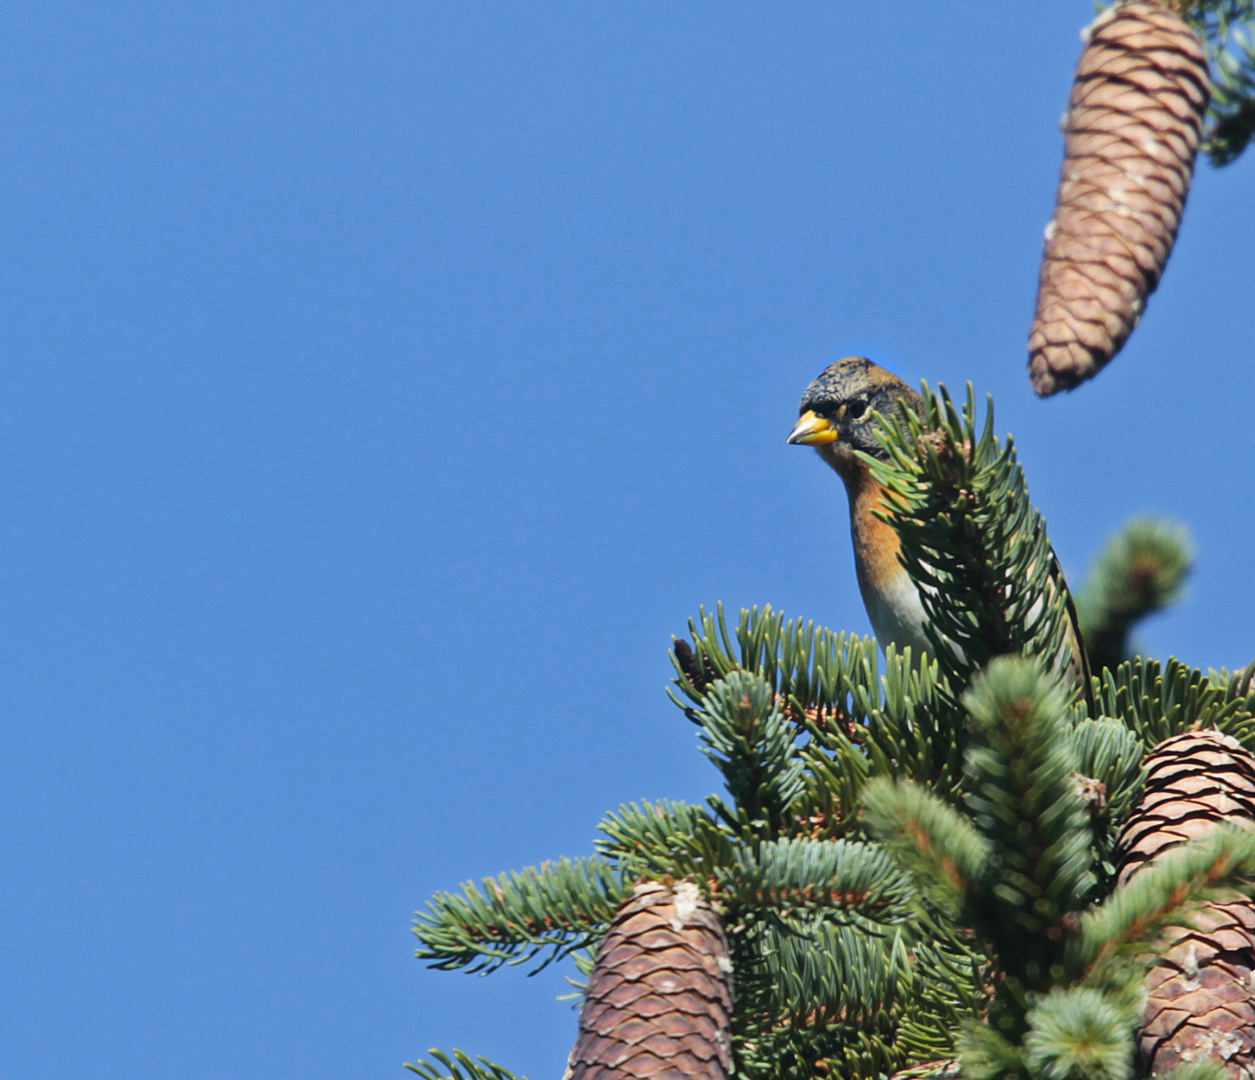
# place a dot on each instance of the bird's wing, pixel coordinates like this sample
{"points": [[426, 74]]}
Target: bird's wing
{"points": [[1076, 643]]}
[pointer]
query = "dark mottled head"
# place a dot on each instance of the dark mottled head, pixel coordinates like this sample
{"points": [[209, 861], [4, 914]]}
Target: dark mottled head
{"points": [[837, 409]]}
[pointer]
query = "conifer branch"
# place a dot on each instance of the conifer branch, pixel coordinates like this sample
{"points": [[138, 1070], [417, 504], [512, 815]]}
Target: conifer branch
{"points": [[841, 877], [1157, 701], [830, 688], [459, 1066], [815, 973], [1080, 1033], [839, 1000], [1161, 892], [918, 731], [928, 836], [1025, 802], [988, 1055], [1109, 775], [836, 770], [908, 729], [517, 916], [861, 998], [813, 668], [1238, 685], [951, 977], [750, 742], [1108, 753], [1140, 571], [665, 839]]}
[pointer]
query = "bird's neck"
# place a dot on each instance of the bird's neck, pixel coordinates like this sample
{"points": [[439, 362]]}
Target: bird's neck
{"points": [[846, 463], [866, 495]]}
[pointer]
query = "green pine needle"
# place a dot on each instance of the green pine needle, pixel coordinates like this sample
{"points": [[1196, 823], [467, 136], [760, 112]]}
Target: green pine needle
{"points": [[1109, 776], [1025, 801], [665, 839], [840, 877], [1161, 894], [1080, 1033], [514, 917], [812, 667], [987, 1055], [1141, 570], [752, 744], [1157, 701], [1107, 752], [931, 838], [459, 1066], [849, 1000]]}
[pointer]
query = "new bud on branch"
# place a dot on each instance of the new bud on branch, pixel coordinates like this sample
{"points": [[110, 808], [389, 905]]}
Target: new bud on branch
{"points": [[1133, 129]]}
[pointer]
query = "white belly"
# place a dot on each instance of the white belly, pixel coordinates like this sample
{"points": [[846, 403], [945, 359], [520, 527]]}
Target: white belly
{"points": [[897, 615]]}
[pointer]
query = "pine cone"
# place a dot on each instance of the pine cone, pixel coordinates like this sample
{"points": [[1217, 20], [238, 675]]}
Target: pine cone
{"points": [[659, 1002], [1201, 990], [1133, 127]]}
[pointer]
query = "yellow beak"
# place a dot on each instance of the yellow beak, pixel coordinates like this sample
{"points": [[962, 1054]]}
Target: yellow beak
{"points": [[812, 429]]}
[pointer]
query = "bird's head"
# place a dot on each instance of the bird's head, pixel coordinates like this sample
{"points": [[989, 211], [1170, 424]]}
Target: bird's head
{"points": [[837, 410]]}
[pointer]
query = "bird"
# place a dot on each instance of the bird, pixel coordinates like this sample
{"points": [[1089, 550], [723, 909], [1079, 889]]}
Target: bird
{"points": [[838, 418]]}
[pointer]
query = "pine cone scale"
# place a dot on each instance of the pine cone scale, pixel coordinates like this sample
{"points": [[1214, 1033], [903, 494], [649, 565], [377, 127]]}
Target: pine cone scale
{"points": [[659, 999]]}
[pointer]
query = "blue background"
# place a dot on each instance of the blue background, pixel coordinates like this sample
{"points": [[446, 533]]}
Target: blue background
{"points": [[384, 384]]}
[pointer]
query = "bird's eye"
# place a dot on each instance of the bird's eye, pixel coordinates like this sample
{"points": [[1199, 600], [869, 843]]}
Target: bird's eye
{"points": [[855, 409]]}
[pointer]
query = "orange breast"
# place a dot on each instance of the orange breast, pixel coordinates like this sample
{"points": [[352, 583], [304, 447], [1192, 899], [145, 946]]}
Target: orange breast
{"points": [[876, 544]]}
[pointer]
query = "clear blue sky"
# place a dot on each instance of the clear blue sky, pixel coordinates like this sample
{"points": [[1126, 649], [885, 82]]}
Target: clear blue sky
{"points": [[384, 384]]}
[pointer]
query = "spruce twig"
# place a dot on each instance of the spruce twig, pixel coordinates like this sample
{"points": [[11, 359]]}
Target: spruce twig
{"points": [[1140, 571], [549, 912], [459, 1066]]}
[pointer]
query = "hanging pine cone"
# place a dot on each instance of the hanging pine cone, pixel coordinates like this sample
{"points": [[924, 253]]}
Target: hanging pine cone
{"points": [[1201, 991], [1133, 127], [659, 1001]]}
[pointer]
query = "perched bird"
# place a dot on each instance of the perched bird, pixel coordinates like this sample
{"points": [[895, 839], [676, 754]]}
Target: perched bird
{"points": [[837, 419]]}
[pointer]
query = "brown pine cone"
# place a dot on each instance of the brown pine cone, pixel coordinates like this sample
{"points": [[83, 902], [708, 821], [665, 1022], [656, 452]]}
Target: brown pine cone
{"points": [[1201, 990], [659, 1001], [1133, 128]]}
